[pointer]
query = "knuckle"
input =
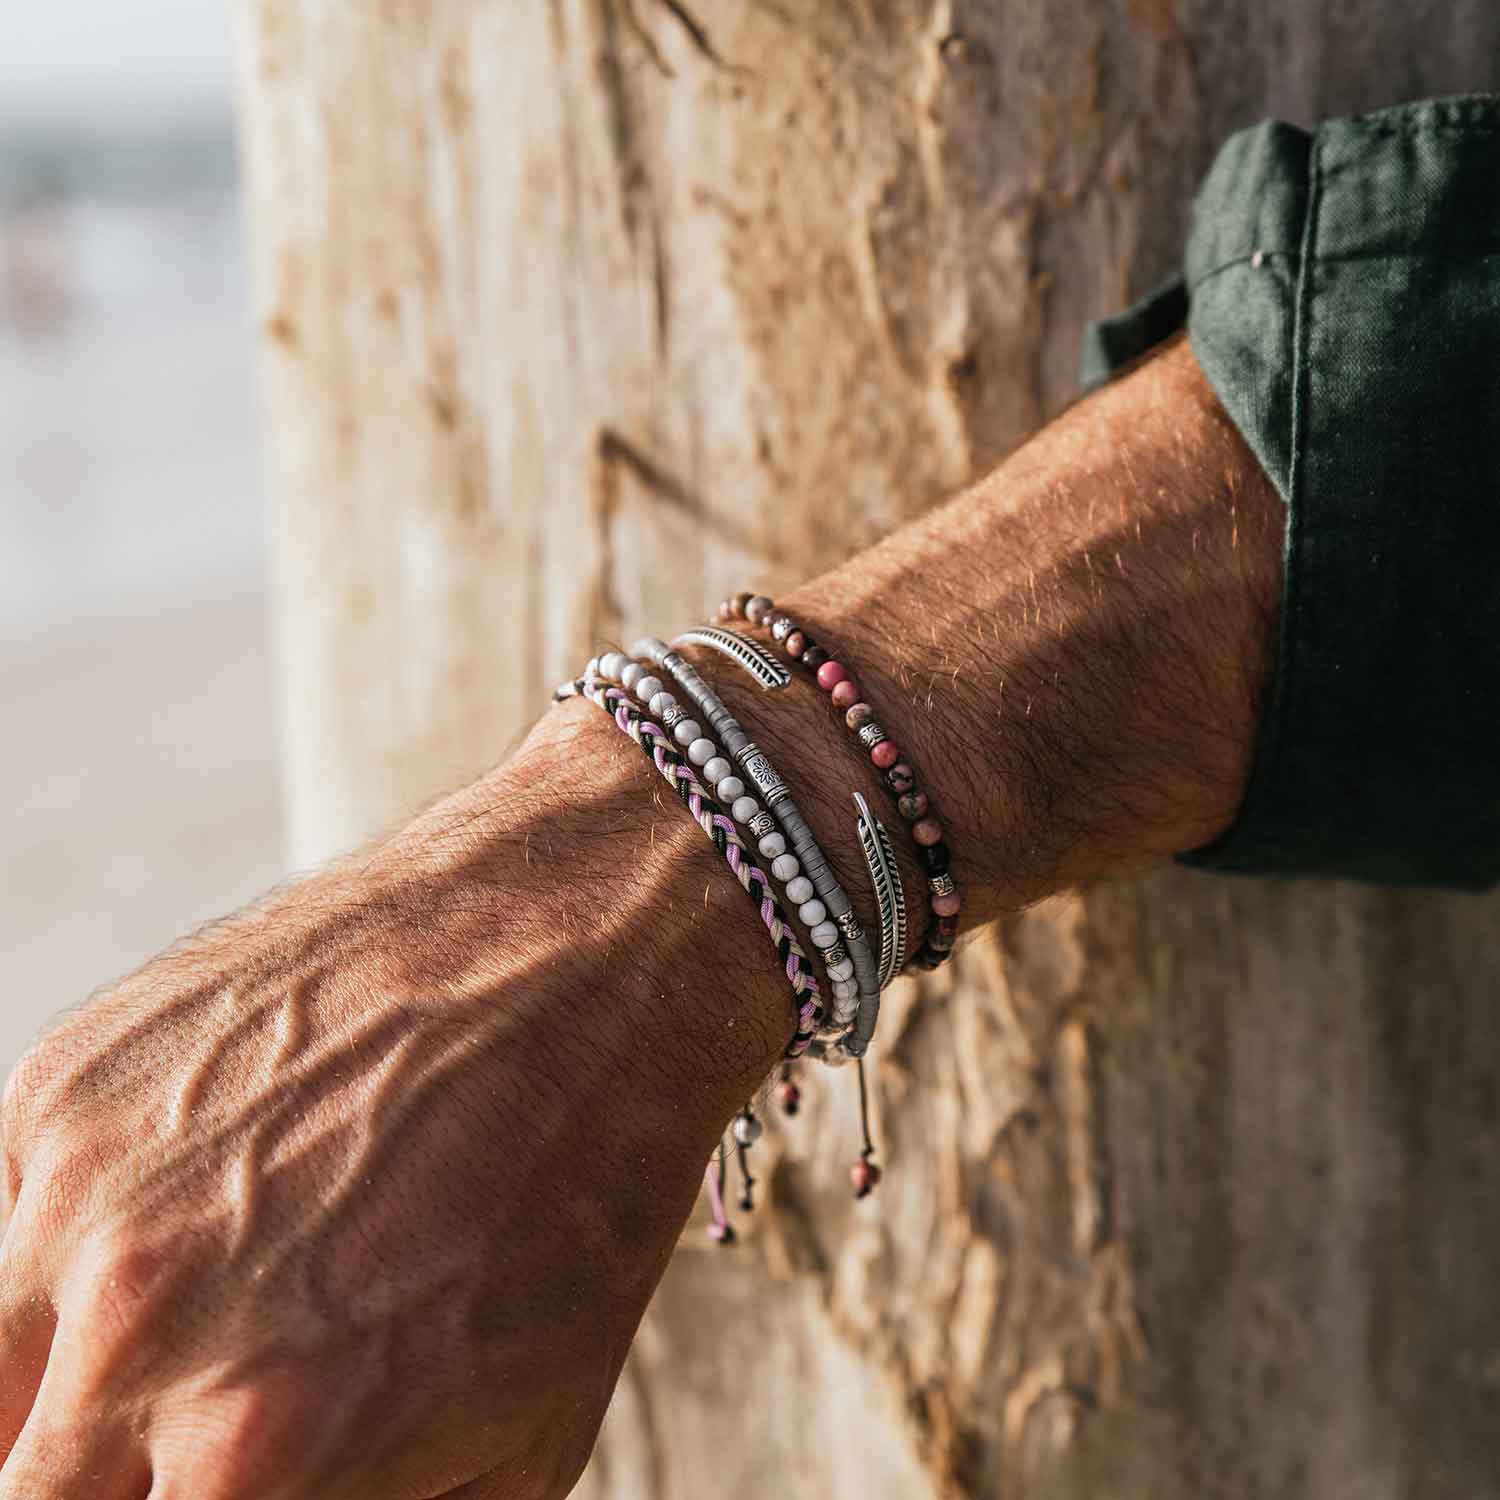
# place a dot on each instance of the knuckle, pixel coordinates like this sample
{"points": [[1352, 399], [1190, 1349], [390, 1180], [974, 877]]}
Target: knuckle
{"points": [[64, 1179], [130, 1285], [18, 1100], [37, 1088], [267, 1426]]}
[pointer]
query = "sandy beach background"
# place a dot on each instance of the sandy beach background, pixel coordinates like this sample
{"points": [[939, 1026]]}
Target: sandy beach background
{"points": [[137, 736]]}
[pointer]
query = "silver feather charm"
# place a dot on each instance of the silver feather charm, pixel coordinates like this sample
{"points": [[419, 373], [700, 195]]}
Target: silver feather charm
{"points": [[890, 896], [743, 651]]}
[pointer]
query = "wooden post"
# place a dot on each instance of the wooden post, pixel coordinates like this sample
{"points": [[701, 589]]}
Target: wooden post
{"points": [[575, 315]]}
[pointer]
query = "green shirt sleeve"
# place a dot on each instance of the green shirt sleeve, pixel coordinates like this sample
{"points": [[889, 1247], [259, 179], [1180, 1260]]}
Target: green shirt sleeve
{"points": [[1341, 290]]}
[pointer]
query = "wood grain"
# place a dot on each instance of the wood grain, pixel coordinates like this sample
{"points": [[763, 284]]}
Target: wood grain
{"points": [[573, 316]]}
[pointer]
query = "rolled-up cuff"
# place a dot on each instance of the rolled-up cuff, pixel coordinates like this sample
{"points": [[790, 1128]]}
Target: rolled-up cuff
{"points": [[1342, 295]]}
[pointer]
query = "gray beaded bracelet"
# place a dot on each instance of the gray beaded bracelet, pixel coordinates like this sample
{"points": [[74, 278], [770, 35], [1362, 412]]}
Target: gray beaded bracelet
{"points": [[719, 776], [753, 762]]}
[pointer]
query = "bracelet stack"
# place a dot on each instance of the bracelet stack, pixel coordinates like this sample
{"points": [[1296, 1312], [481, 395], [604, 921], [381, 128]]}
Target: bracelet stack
{"points": [[896, 773], [730, 787]]}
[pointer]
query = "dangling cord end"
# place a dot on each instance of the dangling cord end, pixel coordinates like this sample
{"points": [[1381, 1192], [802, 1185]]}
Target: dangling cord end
{"points": [[864, 1174], [747, 1198], [788, 1095], [721, 1231], [747, 1131]]}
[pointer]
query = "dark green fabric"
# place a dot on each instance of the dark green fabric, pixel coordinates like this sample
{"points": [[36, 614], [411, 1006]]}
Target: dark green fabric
{"points": [[1343, 297]]}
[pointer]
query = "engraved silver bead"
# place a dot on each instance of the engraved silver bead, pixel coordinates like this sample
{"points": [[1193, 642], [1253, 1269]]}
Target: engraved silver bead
{"points": [[942, 885], [871, 735], [762, 824], [849, 926]]}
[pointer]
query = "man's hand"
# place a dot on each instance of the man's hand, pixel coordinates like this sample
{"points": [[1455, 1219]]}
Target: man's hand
{"points": [[363, 1192]]}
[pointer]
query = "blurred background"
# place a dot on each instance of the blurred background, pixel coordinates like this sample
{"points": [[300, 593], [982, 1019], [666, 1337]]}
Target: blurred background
{"points": [[138, 745]]}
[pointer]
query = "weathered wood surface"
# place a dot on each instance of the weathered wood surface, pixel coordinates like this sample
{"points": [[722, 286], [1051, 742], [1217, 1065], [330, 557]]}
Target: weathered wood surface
{"points": [[575, 315]]}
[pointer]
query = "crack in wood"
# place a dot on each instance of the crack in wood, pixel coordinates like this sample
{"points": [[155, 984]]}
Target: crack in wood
{"points": [[616, 450]]}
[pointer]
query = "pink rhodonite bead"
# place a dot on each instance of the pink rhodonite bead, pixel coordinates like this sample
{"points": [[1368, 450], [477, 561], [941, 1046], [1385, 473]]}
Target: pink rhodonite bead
{"points": [[885, 754], [947, 906], [830, 674], [927, 832], [845, 694]]}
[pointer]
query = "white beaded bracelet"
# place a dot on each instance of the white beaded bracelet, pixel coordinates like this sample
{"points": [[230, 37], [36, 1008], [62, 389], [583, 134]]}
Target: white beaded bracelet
{"points": [[730, 791]]}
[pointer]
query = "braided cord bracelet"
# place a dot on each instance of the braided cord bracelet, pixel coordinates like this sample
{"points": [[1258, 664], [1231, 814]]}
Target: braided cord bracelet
{"points": [[721, 831], [730, 791], [753, 761], [896, 774], [875, 843]]}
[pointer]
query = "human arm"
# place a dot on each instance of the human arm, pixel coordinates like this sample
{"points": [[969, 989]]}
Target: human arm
{"points": [[364, 1191]]}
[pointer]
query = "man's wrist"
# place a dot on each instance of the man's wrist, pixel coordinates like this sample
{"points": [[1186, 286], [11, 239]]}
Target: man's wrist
{"points": [[1075, 651], [1072, 655]]}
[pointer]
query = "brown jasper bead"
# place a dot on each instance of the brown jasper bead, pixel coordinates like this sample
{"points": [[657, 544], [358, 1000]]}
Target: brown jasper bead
{"points": [[738, 605], [912, 805], [794, 644], [813, 657], [858, 716], [901, 778], [928, 831]]}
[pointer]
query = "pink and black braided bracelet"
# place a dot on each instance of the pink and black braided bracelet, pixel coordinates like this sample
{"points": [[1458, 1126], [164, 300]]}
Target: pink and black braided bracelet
{"points": [[657, 746]]}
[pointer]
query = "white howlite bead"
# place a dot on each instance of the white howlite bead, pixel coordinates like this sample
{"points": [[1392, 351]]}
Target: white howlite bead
{"points": [[744, 809], [631, 673], [812, 912], [717, 769], [646, 688], [845, 989], [844, 969], [799, 890], [700, 752], [730, 788], [611, 664], [786, 867], [688, 731], [825, 935], [844, 1011], [660, 702], [772, 845]]}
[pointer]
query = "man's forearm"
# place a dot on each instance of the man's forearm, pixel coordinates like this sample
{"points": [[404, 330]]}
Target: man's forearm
{"points": [[1073, 652], [438, 1113]]}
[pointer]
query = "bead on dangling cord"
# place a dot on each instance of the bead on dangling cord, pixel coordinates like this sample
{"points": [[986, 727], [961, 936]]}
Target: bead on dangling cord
{"points": [[788, 1094], [747, 1131], [865, 1174]]}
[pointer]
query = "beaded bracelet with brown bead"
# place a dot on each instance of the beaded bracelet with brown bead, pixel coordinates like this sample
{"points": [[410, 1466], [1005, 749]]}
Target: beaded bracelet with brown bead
{"points": [[897, 774]]}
